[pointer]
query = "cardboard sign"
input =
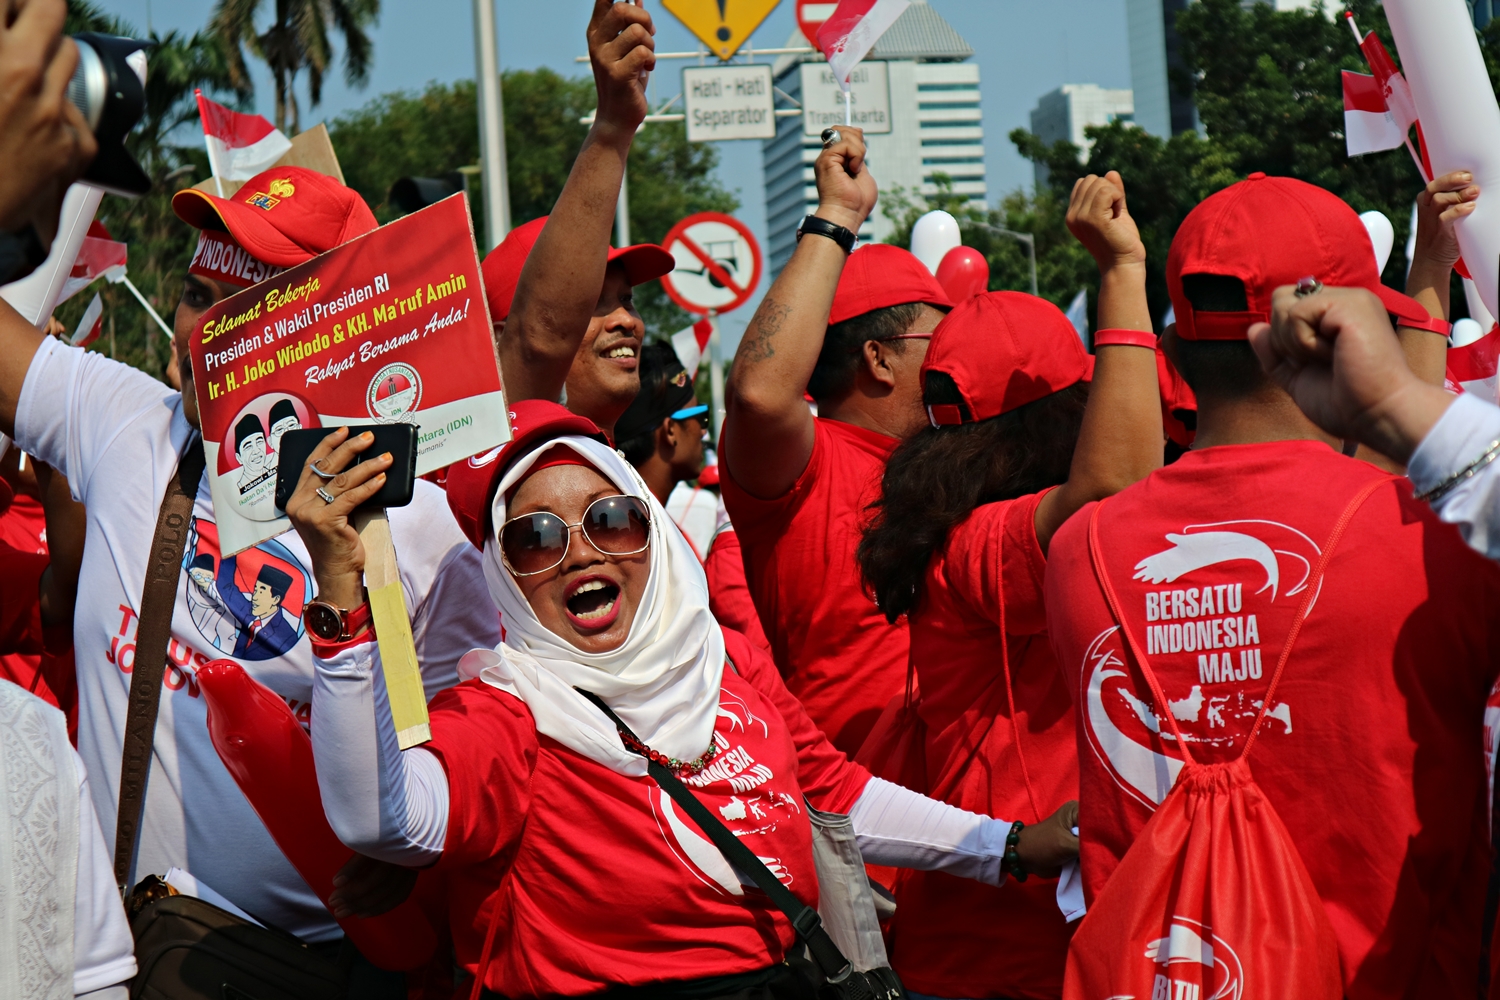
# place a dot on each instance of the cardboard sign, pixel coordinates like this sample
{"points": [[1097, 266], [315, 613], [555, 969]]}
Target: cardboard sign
{"points": [[823, 99], [392, 326], [728, 102]]}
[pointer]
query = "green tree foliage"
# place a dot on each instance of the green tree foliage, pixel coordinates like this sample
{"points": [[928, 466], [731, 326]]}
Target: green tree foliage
{"points": [[1269, 96], [160, 245], [299, 38], [436, 131]]}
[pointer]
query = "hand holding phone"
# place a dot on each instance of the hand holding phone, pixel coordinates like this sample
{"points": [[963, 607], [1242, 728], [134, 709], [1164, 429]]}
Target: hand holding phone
{"points": [[398, 439]]}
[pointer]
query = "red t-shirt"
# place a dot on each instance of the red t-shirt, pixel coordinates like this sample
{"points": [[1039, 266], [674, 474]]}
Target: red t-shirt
{"points": [[728, 592], [23, 530], [946, 928], [1371, 751], [832, 644], [599, 879]]}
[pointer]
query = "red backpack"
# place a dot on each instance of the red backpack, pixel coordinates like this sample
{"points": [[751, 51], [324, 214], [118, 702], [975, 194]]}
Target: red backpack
{"points": [[1211, 901]]}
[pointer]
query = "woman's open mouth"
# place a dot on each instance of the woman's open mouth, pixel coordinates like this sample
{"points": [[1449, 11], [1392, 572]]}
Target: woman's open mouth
{"points": [[593, 603]]}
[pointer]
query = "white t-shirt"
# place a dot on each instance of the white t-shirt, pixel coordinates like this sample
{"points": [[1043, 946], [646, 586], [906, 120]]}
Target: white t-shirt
{"points": [[117, 434], [695, 511], [103, 950]]}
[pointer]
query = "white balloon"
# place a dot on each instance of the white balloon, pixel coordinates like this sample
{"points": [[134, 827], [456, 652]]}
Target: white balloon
{"points": [[1465, 332], [1382, 235], [1441, 60], [933, 236]]}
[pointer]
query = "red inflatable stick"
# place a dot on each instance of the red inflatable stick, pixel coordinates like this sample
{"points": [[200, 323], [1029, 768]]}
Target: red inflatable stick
{"points": [[963, 272], [271, 759]]}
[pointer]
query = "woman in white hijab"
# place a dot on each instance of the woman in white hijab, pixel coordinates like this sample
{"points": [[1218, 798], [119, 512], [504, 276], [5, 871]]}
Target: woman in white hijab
{"points": [[568, 871]]}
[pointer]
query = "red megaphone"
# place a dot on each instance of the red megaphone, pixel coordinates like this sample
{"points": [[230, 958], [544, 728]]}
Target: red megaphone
{"points": [[271, 759], [963, 273]]}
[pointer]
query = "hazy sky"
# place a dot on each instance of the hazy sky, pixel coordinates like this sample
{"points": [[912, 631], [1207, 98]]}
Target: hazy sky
{"points": [[1024, 48]]}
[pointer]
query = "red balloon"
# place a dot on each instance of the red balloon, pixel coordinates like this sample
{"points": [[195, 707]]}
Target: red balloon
{"points": [[963, 273], [271, 759]]}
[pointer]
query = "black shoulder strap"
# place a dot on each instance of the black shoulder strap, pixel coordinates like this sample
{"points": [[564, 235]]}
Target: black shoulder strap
{"points": [[153, 633], [805, 920]]}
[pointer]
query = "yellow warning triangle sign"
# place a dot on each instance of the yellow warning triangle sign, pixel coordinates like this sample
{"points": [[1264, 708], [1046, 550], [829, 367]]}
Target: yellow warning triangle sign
{"points": [[722, 25]]}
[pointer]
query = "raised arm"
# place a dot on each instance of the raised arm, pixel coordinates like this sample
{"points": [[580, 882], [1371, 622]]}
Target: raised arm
{"points": [[1442, 203], [1121, 437], [768, 430], [559, 286]]}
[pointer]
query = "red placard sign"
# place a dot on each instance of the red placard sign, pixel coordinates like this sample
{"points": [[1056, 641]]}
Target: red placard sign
{"points": [[390, 327], [718, 263], [810, 17]]}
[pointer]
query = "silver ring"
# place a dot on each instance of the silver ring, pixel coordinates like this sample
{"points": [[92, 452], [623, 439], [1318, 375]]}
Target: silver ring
{"points": [[1308, 286], [327, 477], [325, 496], [831, 137]]}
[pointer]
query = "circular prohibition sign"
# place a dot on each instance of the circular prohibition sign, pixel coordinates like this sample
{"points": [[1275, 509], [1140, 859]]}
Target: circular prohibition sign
{"points": [[718, 263]]}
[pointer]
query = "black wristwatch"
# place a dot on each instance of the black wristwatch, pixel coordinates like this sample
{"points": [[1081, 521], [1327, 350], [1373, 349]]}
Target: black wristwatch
{"points": [[330, 623], [822, 227]]}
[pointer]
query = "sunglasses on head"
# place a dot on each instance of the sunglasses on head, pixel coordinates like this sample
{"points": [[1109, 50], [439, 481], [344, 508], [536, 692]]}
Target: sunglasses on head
{"points": [[534, 543]]}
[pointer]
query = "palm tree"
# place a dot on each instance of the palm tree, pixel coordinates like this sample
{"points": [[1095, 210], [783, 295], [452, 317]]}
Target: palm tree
{"points": [[297, 40]]}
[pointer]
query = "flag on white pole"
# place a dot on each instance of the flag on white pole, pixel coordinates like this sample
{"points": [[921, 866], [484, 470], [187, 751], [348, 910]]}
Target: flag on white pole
{"points": [[1369, 125], [98, 257], [91, 325], [852, 30], [689, 344], [239, 146]]}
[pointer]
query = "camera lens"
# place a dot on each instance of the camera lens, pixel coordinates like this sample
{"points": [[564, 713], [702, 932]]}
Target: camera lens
{"points": [[109, 90]]}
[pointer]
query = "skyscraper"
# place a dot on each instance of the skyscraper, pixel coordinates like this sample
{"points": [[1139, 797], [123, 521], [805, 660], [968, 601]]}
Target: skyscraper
{"points": [[1151, 27], [1066, 111], [917, 96]]}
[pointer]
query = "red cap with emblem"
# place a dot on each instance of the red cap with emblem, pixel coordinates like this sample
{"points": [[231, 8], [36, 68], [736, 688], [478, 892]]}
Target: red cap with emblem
{"points": [[472, 483], [502, 265], [1003, 350], [878, 276], [281, 217], [1269, 232]]}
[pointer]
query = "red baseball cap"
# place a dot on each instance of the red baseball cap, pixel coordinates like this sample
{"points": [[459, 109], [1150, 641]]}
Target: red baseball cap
{"points": [[878, 276], [282, 216], [1269, 232], [643, 262], [472, 483], [1003, 350]]}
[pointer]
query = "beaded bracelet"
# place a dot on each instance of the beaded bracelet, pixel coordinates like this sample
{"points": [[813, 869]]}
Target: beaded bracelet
{"points": [[1012, 861], [1125, 338], [1447, 486]]}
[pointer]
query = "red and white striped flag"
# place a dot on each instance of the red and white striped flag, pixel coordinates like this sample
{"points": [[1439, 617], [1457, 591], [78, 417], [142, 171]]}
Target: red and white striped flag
{"points": [[98, 257], [852, 30], [91, 325], [1369, 125], [239, 146], [1475, 367], [691, 343]]}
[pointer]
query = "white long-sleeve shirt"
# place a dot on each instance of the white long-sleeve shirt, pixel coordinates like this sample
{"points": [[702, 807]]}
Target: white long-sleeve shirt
{"points": [[1460, 436]]}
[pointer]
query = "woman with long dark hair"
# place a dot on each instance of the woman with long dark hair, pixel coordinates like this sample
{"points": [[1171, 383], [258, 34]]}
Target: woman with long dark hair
{"points": [[1019, 441], [571, 867]]}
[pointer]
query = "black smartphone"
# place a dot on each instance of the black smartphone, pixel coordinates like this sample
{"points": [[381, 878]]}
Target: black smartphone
{"points": [[398, 439]]}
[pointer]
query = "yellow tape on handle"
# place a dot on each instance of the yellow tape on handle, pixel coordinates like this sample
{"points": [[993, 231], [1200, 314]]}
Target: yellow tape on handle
{"points": [[398, 650]]}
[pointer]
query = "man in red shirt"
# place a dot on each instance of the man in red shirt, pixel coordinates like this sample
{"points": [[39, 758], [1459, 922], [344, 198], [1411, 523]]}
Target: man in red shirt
{"points": [[1370, 751], [851, 329]]}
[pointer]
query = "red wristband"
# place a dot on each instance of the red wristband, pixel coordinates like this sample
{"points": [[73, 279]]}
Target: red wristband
{"points": [[1125, 338], [1438, 326]]}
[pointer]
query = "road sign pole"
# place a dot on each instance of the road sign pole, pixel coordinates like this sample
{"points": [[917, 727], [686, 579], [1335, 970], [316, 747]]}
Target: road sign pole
{"points": [[715, 374], [622, 211], [491, 126]]}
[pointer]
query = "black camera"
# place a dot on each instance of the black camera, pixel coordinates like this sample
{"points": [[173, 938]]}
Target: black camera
{"points": [[109, 90]]}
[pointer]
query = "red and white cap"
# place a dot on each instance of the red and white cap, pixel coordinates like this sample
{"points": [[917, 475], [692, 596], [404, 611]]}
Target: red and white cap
{"points": [[1269, 232], [1003, 350], [277, 219], [643, 262], [878, 276], [472, 483]]}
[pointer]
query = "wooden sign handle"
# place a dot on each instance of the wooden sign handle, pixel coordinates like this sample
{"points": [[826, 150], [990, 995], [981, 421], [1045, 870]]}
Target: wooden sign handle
{"points": [[398, 650]]}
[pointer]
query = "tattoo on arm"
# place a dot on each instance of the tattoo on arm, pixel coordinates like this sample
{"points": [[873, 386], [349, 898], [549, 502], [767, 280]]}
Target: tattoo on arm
{"points": [[768, 321]]}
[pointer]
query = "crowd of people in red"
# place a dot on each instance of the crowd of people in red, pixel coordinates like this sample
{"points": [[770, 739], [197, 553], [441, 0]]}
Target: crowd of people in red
{"points": [[967, 603]]}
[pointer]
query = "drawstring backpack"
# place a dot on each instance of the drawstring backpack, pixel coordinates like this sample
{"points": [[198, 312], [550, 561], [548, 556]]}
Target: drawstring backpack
{"points": [[1212, 901]]}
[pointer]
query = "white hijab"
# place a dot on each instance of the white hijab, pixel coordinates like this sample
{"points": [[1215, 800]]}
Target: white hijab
{"points": [[663, 680]]}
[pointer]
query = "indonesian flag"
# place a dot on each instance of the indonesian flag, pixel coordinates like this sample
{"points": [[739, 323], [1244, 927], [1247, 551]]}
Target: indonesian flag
{"points": [[91, 325], [239, 146], [852, 30], [691, 343], [1475, 367], [98, 257], [1369, 124]]}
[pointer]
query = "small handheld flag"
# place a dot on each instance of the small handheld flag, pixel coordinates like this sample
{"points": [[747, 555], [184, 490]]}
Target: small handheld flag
{"points": [[689, 344], [849, 34], [239, 146], [91, 325]]}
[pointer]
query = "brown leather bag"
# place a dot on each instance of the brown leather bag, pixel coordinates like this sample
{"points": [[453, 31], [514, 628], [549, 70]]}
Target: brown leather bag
{"points": [[186, 948]]}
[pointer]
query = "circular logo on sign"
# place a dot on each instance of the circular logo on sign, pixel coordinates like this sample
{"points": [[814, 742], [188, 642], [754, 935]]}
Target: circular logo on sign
{"points": [[394, 392]]}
